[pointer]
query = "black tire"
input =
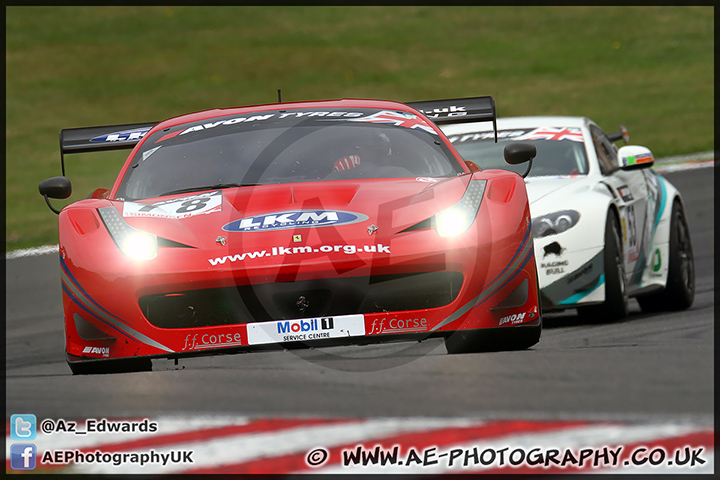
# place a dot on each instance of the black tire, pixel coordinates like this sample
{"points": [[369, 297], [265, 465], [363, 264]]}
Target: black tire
{"points": [[679, 291], [495, 340], [615, 306], [97, 367]]}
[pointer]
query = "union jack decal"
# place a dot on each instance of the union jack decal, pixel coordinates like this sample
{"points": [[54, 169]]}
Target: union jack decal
{"points": [[550, 133], [401, 119]]}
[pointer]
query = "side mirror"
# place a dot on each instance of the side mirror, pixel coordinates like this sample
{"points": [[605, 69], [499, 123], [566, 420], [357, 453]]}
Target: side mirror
{"points": [[633, 157], [55, 187], [520, 152]]}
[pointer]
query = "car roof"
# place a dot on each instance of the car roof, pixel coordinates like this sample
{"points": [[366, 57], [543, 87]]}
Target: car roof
{"points": [[505, 123], [319, 104]]}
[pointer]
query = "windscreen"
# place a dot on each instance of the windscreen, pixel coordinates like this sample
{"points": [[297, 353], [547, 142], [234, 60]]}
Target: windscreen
{"points": [[560, 151], [286, 146]]}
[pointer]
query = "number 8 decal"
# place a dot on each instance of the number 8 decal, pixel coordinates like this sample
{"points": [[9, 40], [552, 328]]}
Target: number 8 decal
{"points": [[192, 205], [176, 208]]}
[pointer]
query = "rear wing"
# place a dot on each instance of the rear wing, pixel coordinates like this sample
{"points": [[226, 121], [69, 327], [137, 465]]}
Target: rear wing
{"points": [[94, 139], [622, 134], [457, 110]]}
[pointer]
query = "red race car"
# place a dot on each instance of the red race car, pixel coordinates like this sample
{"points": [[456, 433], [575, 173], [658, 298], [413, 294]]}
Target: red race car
{"points": [[293, 224]]}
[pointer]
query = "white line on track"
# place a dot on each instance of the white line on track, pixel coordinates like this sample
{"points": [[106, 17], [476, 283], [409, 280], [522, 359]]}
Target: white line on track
{"points": [[676, 167], [32, 252]]}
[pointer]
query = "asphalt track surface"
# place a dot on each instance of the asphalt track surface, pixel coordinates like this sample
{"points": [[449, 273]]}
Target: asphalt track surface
{"points": [[648, 366]]}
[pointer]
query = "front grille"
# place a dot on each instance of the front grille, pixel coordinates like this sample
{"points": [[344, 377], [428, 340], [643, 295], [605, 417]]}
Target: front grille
{"points": [[302, 299]]}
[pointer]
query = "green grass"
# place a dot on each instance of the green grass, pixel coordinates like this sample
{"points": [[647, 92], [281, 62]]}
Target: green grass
{"points": [[649, 68]]}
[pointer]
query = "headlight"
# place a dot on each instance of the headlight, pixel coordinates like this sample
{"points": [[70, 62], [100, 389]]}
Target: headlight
{"points": [[458, 218], [132, 242], [554, 223]]}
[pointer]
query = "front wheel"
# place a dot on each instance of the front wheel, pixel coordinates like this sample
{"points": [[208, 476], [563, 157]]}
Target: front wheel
{"points": [[615, 306], [679, 291]]}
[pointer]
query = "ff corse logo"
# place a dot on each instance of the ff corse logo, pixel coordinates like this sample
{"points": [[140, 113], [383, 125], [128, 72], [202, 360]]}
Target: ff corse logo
{"points": [[294, 219], [134, 134]]}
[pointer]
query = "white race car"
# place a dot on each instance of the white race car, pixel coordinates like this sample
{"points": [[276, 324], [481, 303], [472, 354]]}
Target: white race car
{"points": [[606, 227]]}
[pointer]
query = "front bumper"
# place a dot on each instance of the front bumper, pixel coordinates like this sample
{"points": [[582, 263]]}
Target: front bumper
{"points": [[179, 304]]}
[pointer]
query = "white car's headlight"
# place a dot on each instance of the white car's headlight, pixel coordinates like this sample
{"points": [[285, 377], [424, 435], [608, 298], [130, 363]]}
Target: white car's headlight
{"points": [[554, 223], [458, 218], [132, 242]]}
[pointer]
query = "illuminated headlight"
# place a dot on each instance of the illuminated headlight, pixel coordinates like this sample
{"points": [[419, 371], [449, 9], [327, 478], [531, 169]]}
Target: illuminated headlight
{"points": [[554, 223], [132, 242], [458, 218]]}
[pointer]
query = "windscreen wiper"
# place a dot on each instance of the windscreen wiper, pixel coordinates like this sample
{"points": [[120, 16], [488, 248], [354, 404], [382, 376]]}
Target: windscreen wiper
{"points": [[208, 187]]}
